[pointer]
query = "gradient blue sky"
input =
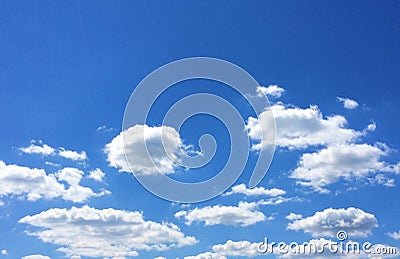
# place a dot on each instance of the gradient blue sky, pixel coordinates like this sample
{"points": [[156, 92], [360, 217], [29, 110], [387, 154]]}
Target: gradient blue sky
{"points": [[69, 67]]}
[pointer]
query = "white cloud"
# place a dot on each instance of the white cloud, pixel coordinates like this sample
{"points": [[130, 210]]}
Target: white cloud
{"points": [[257, 191], [395, 235], [244, 214], [35, 257], [348, 103], [230, 248], [354, 221], [271, 90], [37, 184], [4, 252], [39, 148], [73, 155], [163, 144], [342, 162], [96, 175], [109, 232], [299, 128], [293, 216]]}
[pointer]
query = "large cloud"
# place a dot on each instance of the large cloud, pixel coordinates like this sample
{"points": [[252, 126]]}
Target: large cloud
{"points": [[327, 223], [37, 184], [299, 128], [342, 161], [163, 144], [109, 232]]}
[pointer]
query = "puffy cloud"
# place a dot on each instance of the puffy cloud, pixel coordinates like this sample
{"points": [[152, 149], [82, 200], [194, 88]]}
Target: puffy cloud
{"points": [[257, 191], [96, 175], [39, 148], [73, 155], [163, 144], [299, 128], [395, 235], [35, 257], [348, 103], [342, 161], [271, 90], [354, 221], [108, 232], [37, 184], [230, 248], [4, 252], [244, 214]]}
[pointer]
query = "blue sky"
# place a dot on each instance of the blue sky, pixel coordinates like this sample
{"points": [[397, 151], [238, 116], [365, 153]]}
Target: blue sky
{"points": [[67, 70]]}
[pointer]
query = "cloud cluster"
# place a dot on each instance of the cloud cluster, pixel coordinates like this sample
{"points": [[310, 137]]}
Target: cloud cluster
{"points": [[356, 223], [38, 147], [342, 161], [299, 128], [109, 232], [340, 155], [149, 150], [37, 184]]}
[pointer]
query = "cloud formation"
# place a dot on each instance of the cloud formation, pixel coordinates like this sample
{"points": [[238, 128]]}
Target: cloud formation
{"points": [[271, 90], [163, 144], [40, 148], [35, 184], [342, 162], [299, 128], [257, 191], [245, 214], [107, 232], [356, 223], [348, 103]]}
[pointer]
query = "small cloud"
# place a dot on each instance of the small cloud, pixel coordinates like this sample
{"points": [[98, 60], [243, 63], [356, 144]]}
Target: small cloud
{"points": [[348, 103], [73, 155], [96, 175], [395, 235], [4, 252], [104, 128], [257, 191], [271, 90], [52, 164], [40, 148]]}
